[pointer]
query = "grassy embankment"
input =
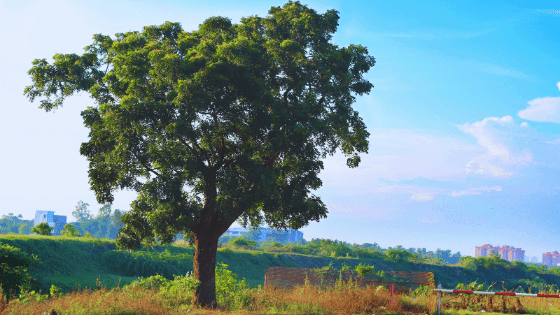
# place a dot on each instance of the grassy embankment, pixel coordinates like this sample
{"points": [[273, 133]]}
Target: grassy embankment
{"points": [[72, 263]]}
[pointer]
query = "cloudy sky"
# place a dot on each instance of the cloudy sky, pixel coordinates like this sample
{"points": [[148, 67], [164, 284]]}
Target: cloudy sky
{"points": [[464, 117]]}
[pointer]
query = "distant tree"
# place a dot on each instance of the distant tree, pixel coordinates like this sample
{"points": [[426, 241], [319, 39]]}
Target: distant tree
{"points": [[82, 213], [70, 230], [42, 229], [87, 234], [24, 229], [254, 233], [105, 211]]}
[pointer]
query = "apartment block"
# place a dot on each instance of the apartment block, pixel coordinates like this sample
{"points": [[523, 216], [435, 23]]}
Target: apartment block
{"points": [[505, 252], [551, 258], [55, 221]]}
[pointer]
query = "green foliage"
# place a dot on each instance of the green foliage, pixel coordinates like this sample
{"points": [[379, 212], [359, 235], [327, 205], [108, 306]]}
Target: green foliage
{"points": [[230, 293], [70, 231], [240, 143], [82, 213], [104, 225], [24, 228], [363, 270], [398, 255], [145, 264], [423, 290], [11, 223], [14, 266], [242, 242], [55, 291], [180, 290], [43, 229], [87, 234]]}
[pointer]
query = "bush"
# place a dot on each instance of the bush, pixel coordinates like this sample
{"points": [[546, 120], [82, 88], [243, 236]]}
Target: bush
{"points": [[398, 255], [179, 291], [242, 242], [230, 293], [14, 266], [42, 229], [70, 230]]}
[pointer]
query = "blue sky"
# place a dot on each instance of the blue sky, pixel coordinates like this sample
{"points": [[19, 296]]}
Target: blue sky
{"points": [[464, 117]]}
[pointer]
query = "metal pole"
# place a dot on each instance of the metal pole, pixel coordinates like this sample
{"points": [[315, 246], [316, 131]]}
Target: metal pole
{"points": [[391, 292], [439, 299]]}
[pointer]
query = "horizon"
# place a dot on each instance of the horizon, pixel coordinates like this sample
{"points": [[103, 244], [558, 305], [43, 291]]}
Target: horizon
{"points": [[464, 118], [526, 258]]}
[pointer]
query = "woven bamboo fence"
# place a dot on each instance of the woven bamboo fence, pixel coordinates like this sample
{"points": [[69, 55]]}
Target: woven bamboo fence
{"points": [[289, 277]]}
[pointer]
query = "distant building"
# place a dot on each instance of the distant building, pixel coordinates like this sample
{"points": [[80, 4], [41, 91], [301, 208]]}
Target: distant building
{"points": [[235, 232], [505, 252], [55, 221], [551, 258], [292, 236], [534, 259]]}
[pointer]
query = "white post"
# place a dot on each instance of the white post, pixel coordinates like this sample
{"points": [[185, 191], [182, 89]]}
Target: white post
{"points": [[439, 299]]}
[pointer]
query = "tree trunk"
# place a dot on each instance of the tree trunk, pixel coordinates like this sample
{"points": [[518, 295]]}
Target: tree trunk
{"points": [[204, 266]]}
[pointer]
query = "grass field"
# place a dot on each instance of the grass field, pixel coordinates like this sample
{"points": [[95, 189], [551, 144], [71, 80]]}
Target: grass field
{"points": [[95, 277]]}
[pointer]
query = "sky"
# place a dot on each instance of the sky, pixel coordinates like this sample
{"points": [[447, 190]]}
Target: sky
{"points": [[464, 117]]}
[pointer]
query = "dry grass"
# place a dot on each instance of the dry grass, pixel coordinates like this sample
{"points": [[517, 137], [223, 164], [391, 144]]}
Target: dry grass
{"points": [[307, 299], [344, 299]]}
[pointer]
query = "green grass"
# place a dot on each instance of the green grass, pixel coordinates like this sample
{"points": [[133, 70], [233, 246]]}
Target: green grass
{"points": [[78, 261]]}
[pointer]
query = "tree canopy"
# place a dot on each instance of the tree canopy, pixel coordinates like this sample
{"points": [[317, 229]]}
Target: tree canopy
{"points": [[42, 229], [224, 123]]}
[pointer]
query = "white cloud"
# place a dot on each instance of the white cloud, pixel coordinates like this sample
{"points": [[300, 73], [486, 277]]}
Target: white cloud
{"points": [[545, 109], [489, 135], [493, 69], [524, 124], [398, 154], [422, 197], [558, 85], [475, 191]]}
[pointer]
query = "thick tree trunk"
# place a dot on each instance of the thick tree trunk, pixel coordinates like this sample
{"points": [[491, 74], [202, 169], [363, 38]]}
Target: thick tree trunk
{"points": [[204, 266]]}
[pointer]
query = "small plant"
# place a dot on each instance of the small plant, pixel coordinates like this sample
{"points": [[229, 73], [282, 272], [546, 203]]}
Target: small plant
{"points": [[55, 291]]}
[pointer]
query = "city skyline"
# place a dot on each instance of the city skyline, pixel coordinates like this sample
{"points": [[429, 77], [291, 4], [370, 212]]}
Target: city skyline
{"points": [[464, 118]]}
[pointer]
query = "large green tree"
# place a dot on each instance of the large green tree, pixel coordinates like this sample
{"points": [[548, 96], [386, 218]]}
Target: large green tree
{"points": [[228, 122]]}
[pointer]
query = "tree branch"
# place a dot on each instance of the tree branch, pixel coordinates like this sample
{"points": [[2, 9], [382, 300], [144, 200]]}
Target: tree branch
{"points": [[202, 165]]}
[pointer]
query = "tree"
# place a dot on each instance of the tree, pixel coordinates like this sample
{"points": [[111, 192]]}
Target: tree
{"points": [[70, 230], [105, 211], [82, 213], [254, 233], [24, 229], [226, 123], [42, 229]]}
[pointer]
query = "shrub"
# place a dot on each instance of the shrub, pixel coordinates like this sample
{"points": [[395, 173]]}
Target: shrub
{"points": [[242, 242], [70, 230], [14, 266], [42, 229], [397, 255]]}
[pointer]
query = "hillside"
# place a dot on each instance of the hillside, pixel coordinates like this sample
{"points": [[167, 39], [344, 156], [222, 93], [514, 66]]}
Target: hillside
{"points": [[89, 262]]}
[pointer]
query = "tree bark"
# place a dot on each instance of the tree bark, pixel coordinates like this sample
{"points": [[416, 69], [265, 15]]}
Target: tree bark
{"points": [[204, 266]]}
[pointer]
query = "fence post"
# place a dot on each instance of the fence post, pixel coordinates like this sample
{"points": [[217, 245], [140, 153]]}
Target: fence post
{"points": [[391, 292], [266, 282], [438, 299]]}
